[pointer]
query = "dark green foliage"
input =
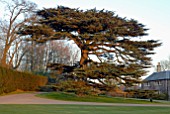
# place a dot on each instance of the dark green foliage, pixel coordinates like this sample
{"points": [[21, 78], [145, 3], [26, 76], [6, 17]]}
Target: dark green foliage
{"points": [[147, 94], [115, 41], [12, 80], [131, 74], [48, 88], [80, 88], [161, 96]]}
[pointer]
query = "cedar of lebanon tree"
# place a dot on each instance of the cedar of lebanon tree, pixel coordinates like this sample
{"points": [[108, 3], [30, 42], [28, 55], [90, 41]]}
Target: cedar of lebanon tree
{"points": [[115, 41]]}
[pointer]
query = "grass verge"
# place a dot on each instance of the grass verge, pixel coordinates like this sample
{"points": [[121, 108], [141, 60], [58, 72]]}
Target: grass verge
{"points": [[73, 97], [80, 109]]}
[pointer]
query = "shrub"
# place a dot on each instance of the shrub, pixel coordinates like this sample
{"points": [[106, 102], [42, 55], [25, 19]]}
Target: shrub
{"points": [[160, 96], [48, 88], [147, 94], [116, 92], [11, 80], [78, 87]]}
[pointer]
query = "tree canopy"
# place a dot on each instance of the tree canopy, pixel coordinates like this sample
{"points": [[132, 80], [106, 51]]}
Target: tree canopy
{"points": [[115, 41]]}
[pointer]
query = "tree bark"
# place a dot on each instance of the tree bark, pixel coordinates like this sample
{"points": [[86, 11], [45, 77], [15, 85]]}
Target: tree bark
{"points": [[84, 58], [4, 56]]}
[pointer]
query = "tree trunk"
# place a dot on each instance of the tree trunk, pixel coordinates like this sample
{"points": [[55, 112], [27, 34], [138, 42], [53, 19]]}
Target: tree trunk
{"points": [[84, 58], [4, 57]]}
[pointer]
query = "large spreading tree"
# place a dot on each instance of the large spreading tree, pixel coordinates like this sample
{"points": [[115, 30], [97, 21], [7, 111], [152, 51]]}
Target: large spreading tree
{"points": [[122, 54]]}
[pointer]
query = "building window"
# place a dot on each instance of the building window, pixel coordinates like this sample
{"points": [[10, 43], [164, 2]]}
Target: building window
{"points": [[147, 84], [159, 82]]}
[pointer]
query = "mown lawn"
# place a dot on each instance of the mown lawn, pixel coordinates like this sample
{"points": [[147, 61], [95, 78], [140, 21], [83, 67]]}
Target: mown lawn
{"points": [[73, 97], [80, 109]]}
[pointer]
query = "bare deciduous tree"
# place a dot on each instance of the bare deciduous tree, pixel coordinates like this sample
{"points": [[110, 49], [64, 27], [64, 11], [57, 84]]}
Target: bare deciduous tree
{"points": [[165, 64], [17, 13], [40, 55], [62, 52], [75, 55]]}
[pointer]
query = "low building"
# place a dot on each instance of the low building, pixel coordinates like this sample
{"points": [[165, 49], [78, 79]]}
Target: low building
{"points": [[159, 81]]}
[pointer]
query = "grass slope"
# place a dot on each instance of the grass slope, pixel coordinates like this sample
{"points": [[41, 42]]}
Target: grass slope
{"points": [[73, 97], [80, 109]]}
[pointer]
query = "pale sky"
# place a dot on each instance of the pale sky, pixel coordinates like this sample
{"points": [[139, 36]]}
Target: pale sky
{"points": [[155, 14]]}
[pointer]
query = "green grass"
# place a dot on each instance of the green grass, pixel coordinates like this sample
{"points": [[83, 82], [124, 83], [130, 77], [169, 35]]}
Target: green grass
{"points": [[80, 109], [73, 97]]}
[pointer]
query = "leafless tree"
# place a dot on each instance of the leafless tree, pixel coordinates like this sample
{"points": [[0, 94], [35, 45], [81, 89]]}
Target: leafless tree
{"points": [[165, 64], [17, 13], [40, 55], [75, 54], [34, 59]]}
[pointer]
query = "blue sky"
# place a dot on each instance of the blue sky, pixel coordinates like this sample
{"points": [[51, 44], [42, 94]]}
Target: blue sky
{"points": [[155, 14]]}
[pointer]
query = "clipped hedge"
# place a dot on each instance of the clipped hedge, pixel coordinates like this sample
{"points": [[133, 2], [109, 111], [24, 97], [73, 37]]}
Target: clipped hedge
{"points": [[11, 80]]}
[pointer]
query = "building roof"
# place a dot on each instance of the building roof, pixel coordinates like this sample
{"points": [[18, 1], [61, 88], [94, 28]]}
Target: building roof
{"points": [[163, 75]]}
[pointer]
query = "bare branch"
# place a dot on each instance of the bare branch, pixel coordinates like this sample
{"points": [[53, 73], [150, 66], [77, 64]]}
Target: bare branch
{"points": [[16, 18]]}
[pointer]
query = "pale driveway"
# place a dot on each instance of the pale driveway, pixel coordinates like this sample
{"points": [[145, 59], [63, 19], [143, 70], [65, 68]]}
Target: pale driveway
{"points": [[30, 98]]}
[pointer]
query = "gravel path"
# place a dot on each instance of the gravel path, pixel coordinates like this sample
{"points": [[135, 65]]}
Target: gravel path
{"points": [[30, 98]]}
